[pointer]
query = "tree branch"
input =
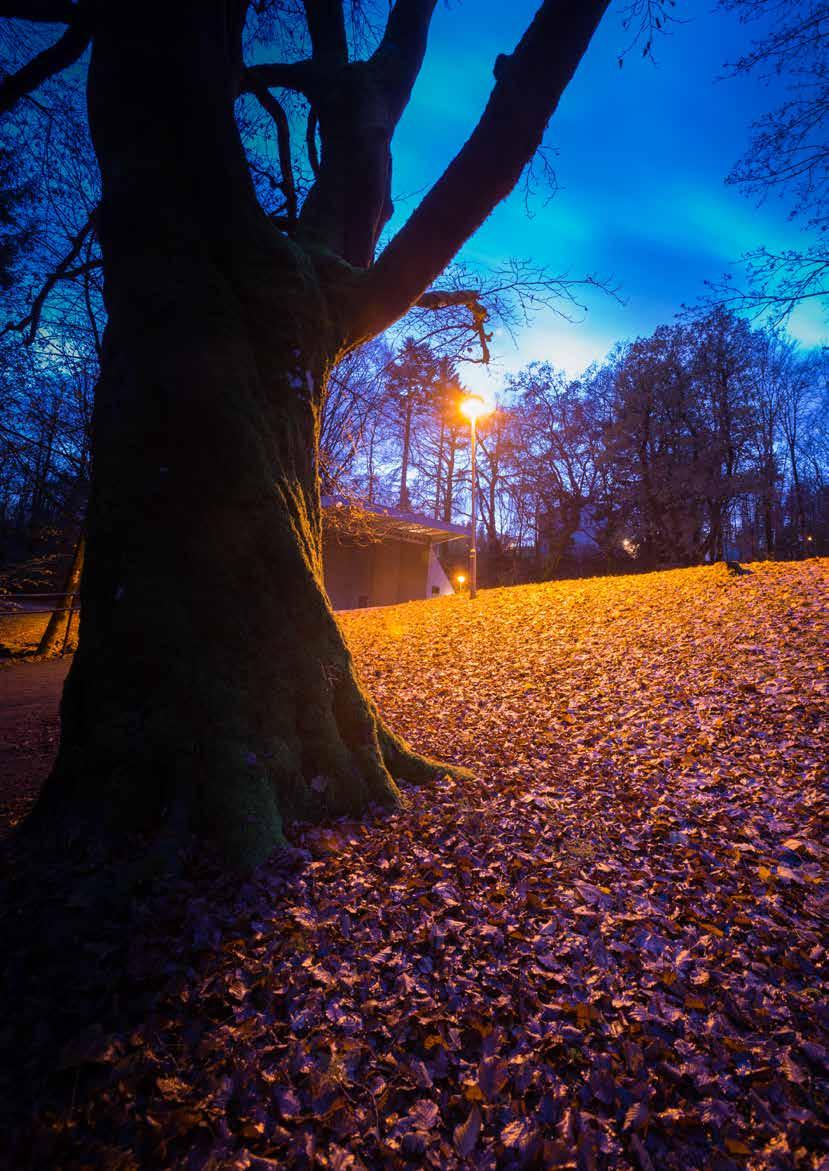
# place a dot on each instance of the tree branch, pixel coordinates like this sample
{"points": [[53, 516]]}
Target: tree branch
{"points": [[296, 75], [65, 270], [358, 107], [464, 298], [529, 84], [777, 283], [326, 26], [399, 56], [283, 140], [63, 53], [81, 269]]}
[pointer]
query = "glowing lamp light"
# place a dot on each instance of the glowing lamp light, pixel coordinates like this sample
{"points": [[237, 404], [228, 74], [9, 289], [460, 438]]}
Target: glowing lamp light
{"points": [[460, 579], [474, 407]]}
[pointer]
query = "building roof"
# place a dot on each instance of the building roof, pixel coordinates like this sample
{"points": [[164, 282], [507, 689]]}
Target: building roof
{"points": [[382, 521]]}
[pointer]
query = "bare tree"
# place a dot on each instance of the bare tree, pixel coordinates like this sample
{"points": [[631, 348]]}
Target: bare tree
{"points": [[772, 357], [437, 441], [722, 356], [801, 410], [409, 384], [354, 400], [560, 443]]}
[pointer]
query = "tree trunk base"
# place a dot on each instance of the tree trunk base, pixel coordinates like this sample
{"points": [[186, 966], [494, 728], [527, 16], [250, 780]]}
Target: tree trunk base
{"points": [[167, 780]]}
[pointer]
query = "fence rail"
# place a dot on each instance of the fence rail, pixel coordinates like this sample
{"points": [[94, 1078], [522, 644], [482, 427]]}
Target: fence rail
{"points": [[25, 619], [10, 607]]}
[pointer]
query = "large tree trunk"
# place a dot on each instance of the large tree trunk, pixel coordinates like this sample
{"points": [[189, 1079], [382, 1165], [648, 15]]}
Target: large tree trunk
{"points": [[212, 691]]}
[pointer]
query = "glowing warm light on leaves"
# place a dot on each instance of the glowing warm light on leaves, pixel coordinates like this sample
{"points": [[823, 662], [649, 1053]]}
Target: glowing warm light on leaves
{"points": [[641, 849]]}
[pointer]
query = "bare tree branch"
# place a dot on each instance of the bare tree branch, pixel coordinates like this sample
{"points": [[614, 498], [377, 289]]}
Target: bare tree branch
{"points": [[777, 283], [529, 84], [510, 296], [65, 270], [789, 149], [788, 154], [57, 57], [467, 298], [647, 18], [300, 76], [283, 140]]}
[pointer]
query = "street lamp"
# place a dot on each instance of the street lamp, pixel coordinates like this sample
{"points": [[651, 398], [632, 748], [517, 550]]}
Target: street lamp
{"points": [[474, 407]]}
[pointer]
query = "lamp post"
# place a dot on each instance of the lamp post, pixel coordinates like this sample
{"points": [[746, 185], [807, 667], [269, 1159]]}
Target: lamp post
{"points": [[474, 407]]}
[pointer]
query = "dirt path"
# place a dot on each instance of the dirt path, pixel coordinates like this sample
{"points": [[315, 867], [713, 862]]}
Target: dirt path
{"points": [[29, 699]]}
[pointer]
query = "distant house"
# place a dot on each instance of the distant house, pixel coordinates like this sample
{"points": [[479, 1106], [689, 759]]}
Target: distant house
{"points": [[376, 556], [582, 543]]}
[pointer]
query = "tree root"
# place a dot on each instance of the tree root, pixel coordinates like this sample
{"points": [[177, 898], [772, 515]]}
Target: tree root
{"points": [[407, 765]]}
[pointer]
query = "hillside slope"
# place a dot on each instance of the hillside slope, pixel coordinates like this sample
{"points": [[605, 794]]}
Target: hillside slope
{"points": [[658, 679], [605, 951]]}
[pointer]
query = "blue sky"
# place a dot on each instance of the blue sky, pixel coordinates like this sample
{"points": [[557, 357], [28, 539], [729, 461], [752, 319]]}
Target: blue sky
{"points": [[642, 154]]}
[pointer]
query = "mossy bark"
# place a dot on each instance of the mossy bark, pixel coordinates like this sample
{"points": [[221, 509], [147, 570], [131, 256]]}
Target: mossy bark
{"points": [[212, 692]]}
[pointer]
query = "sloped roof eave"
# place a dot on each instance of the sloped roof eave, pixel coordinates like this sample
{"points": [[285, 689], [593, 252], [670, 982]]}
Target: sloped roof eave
{"points": [[386, 521]]}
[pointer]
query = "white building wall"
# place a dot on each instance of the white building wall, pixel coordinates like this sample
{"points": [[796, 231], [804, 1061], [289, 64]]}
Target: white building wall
{"points": [[436, 580]]}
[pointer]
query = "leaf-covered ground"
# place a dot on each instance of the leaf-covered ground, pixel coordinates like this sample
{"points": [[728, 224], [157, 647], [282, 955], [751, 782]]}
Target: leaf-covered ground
{"points": [[606, 951], [21, 630]]}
